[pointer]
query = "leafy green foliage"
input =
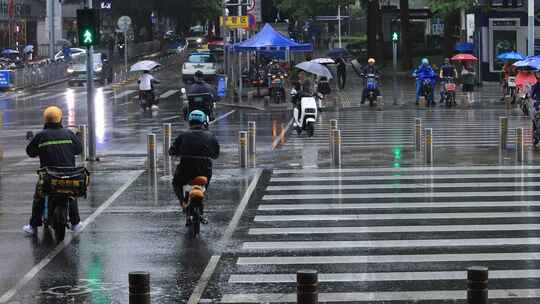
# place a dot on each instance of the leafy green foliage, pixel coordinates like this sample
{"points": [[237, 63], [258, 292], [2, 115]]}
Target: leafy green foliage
{"points": [[302, 9], [445, 7]]}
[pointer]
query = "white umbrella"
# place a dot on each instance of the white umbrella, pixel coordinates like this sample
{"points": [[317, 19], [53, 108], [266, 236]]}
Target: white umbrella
{"points": [[315, 68], [29, 48], [324, 60], [145, 65]]}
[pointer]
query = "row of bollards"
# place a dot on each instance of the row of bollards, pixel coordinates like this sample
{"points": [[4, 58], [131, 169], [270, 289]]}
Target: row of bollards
{"points": [[139, 287], [247, 145], [334, 143], [307, 286]]}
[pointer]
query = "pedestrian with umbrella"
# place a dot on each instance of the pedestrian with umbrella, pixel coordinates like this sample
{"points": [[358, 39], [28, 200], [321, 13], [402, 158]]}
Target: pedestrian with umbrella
{"points": [[508, 69], [468, 75]]}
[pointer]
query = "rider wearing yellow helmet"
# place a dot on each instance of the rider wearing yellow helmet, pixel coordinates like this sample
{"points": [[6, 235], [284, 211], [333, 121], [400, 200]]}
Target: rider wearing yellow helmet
{"points": [[55, 147], [369, 69]]}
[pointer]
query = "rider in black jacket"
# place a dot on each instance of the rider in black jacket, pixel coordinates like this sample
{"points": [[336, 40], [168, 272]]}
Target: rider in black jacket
{"points": [[56, 147], [195, 148]]}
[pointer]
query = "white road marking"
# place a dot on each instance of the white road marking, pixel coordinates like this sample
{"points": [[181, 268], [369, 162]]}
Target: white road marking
{"points": [[402, 177], [278, 139], [32, 96], [331, 245], [408, 169], [214, 260], [222, 117], [383, 276], [393, 216], [337, 196], [398, 258], [430, 205], [407, 296], [124, 93], [169, 93], [401, 186], [392, 229], [47, 259], [203, 281]]}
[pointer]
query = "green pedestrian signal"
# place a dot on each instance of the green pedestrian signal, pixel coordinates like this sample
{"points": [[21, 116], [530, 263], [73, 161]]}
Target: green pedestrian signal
{"points": [[87, 37], [88, 24], [395, 36]]}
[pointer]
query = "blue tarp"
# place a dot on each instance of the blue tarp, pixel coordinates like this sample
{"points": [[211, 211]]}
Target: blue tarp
{"points": [[269, 39]]}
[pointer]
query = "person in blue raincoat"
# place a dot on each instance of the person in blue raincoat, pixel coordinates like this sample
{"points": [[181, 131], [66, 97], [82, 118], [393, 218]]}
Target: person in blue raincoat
{"points": [[421, 73]]}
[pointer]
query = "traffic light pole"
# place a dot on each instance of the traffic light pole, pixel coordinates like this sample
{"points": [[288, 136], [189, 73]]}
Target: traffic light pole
{"points": [[90, 101], [394, 63]]}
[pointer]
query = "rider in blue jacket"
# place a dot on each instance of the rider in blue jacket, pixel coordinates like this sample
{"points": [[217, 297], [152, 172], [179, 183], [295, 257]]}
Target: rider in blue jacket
{"points": [[423, 72]]}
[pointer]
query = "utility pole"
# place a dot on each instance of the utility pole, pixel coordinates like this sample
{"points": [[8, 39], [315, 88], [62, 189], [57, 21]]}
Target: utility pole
{"points": [[90, 101], [51, 14], [339, 23], [530, 39]]}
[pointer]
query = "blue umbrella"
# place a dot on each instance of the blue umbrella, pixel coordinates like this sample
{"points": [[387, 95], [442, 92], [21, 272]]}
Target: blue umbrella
{"points": [[510, 56], [9, 52], [337, 53], [464, 47], [530, 63]]}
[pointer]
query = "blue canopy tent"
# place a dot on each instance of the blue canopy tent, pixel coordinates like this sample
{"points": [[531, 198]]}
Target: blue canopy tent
{"points": [[269, 39]]}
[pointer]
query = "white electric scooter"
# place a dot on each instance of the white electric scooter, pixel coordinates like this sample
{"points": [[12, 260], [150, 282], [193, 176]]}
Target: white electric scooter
{"points": [[304, 120]]}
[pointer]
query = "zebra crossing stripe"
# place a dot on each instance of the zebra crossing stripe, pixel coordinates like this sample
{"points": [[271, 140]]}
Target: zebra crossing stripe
{"points": [[401, 186], [393, 216], [341, 196], [408, 169], [330, 245], [353, 206], [396, 258], [383, 276], [392, 229], [407, 296], [402, 177]]}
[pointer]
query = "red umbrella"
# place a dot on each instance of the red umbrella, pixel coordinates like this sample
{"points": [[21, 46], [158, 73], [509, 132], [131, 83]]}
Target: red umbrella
{"points": [[464, 57]]}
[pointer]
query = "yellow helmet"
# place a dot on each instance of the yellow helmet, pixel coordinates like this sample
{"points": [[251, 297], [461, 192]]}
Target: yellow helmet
{"points": [[52, 114], [371, 60]]}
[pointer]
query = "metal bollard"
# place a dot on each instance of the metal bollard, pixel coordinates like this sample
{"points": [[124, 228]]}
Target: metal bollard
{"points": [[243, 149], [428, 149], [477, 285], [252, 139], [139, 287], [266, 101], [336, 154], [418, 134], [83, 130], [167, 134], [503, 132], [152, 154], [422, 101], [380, 103], [307, 287], [520, 149], [333, 126]]}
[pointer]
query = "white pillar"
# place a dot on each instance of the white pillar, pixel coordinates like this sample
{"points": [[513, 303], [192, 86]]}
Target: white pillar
{"points": [[530, 39], [339, 25]]}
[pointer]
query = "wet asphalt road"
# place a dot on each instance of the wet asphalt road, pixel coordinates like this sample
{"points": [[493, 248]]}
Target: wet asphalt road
{"points": [[385, 228]]}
